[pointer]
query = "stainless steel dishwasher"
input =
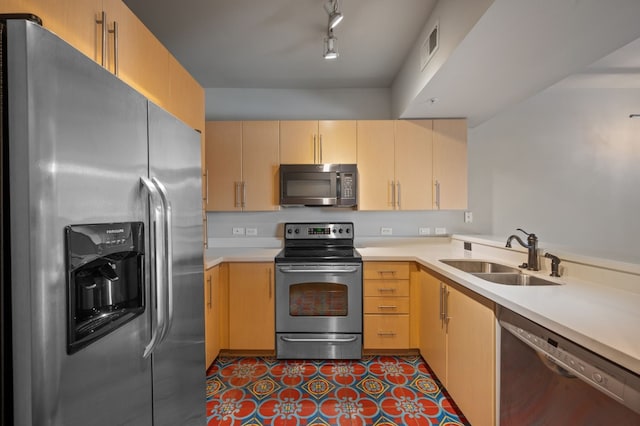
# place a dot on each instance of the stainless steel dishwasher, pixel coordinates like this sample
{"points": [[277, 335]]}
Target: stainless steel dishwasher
{"points": [[546, 379]]}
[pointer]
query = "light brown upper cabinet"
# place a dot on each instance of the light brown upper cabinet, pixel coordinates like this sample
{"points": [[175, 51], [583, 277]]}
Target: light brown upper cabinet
{"points": [[395, 164], [124, 46], [242, 165], [318, 142], [450, 164]]}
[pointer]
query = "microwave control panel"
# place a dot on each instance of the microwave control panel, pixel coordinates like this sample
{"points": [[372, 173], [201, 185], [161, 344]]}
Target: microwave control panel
{"points": [[347, 184]]}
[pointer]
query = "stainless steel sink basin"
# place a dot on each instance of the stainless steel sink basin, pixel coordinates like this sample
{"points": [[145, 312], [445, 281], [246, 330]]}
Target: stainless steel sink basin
{"points": [[514, 279], [478, 266]]}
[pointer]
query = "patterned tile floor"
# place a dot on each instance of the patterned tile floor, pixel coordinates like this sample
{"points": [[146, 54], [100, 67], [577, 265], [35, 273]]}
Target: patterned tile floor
{"points": [[379, 390]]}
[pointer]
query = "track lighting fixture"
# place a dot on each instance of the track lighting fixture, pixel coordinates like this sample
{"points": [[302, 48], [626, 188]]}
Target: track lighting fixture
{"points": [[330, 48], [335, 17]]}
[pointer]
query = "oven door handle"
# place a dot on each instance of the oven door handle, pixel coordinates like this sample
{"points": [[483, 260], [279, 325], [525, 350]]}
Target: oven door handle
{"points": [[345, 340], [288, 270]]}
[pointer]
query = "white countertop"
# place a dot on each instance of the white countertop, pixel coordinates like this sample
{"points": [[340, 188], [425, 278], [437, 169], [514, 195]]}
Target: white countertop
{"points": [[602, 318]]}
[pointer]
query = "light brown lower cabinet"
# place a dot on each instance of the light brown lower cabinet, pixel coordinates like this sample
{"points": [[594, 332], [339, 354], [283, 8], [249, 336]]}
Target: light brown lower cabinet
{"points": [[457, 339], [251, 306], [212, 313]]}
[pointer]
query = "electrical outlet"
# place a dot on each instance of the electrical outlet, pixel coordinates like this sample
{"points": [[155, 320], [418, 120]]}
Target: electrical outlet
{"points": [[424, 231], [238, 231], [386, 231], [441, 231], [252, 232], [468, 217]]}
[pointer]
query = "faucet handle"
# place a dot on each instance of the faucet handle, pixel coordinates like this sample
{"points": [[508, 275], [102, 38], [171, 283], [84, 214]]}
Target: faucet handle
{"points": [[523, 231]]}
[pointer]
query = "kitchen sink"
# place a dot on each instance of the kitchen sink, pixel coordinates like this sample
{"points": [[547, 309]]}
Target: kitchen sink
{"points": [[513, 279], [496, 272], [479, 266]]}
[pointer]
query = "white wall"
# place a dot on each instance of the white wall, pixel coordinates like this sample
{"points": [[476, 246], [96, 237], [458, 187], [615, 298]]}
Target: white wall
{"points": [[564, 164], [297, 104]]}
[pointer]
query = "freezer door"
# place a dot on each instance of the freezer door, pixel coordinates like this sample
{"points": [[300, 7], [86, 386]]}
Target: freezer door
{"points": [[77, 148], [179, 361]]}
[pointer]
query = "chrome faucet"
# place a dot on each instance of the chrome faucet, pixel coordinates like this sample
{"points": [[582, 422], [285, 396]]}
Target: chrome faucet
{"points": [[532, 247]]}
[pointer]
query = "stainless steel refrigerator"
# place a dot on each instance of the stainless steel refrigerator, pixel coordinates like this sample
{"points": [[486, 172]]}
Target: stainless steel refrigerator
{"points": [[102, 267]]}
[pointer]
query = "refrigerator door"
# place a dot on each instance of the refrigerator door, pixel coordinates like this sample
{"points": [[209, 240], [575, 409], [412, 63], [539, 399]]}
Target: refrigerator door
{"points": [[77, 149], [179, 361]]}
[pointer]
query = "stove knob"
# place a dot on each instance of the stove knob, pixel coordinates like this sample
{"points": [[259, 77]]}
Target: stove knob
{"points": [[348, 230], [289, 231], [340, 231], [335, 230], [297, 231]]}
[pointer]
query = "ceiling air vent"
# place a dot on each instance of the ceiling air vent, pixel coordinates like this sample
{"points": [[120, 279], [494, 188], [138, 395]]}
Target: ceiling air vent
{"points": [[430, 45]]}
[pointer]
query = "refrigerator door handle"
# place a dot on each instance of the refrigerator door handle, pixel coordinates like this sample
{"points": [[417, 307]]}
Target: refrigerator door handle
{"points": [[167, 255], [157, 261]]}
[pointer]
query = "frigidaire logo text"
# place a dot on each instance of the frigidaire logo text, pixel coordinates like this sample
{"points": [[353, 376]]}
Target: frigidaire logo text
{"points": [[115, 231]]}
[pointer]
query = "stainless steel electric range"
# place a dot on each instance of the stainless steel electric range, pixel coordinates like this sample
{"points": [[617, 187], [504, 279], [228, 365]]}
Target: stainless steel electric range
{"points": [[318, 293]]}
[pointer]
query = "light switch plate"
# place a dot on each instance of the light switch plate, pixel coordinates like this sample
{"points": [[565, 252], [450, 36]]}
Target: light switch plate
{"points": [[441, 231], [424, 231], [238, 231], [252, 232]]}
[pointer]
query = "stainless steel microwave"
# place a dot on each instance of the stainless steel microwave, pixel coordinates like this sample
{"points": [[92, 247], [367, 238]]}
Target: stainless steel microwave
{"points": [[318, 185]]}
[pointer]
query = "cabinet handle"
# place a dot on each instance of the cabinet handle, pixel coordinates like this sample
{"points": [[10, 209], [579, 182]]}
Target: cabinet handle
{"points": [[269, 273], [237, 194], [114, 31], [441, 302], [320, 149], [206, 182], [387, 307], [386, 289], [244, 194], [392, 272], [386, 333], [315, 150], [210, 302], [102, 20], [399, 194], [438, 195], [446, 306], [393, 194]]}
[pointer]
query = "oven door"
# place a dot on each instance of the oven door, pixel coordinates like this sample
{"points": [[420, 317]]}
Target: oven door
{"points": [[319, 298]]}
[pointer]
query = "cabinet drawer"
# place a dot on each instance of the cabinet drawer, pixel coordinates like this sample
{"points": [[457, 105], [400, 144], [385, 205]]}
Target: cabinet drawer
{"points": [[386, 331], [386, 288], [386, 305], [386, 270]]}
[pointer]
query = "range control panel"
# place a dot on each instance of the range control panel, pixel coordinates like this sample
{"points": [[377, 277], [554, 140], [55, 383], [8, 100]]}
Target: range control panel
{"points": [[318, 231]]}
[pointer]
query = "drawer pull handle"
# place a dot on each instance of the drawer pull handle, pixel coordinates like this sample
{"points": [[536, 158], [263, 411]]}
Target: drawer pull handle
{"points": [[387, 307], [386, 333], [387, 289]]}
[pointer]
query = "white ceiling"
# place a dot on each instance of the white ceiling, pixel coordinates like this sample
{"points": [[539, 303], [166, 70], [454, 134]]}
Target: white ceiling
{"points": [[518, 48], [279, 43]]}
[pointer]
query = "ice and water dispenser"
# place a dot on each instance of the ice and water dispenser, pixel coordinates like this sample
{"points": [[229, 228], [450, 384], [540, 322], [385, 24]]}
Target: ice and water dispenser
{"points": [[105, 278]]}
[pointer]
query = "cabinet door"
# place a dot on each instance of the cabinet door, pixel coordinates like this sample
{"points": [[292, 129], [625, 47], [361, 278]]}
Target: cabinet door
{"points": [[375, 165], [413, 164], [224, 165], [260, 162], [212, 323], [251, 307], [471, 355], [450, 164], [298, 142], [141, 60], [337, 142], [186, 96], [72, 20], [433, 338]]}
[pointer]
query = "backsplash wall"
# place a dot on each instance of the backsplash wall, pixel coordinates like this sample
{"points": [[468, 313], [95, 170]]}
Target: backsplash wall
{"points": [[367, 224]]}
